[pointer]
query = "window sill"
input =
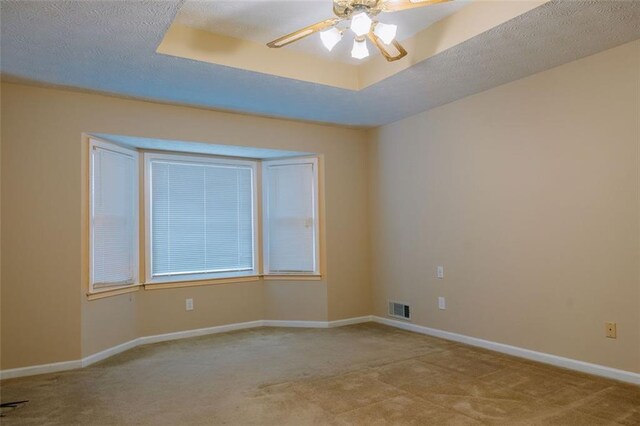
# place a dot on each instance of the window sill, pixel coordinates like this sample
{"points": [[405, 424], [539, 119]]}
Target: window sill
{"points": [[230, 280], [113, 291], [213, 281], [292, 277], [116, 291]]}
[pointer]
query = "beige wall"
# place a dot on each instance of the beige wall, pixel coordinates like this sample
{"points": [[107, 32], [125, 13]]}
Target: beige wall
{"points": [[162, 311], [45, 315], [528, 195], [41, 319], [0, 230], [108, 322]]}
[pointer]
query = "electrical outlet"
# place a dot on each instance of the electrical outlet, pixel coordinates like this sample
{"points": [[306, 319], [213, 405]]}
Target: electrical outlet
{"points": [[440, 272], [611, 330], [442, 303], [188, 304]]}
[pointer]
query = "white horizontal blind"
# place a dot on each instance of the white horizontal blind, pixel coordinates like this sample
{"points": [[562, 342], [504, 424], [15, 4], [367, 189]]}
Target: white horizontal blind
{"points": [[290, 216], [114, 238], [201, 218]]}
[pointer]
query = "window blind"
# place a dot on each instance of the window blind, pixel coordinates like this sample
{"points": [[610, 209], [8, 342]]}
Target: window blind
{"points": [[290, 217], [113, 216], [201, 218]]}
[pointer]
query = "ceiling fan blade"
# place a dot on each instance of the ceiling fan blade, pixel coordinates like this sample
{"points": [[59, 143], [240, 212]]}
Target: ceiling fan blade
{"points": [[302, 33], [398, 5], [383, 48]]}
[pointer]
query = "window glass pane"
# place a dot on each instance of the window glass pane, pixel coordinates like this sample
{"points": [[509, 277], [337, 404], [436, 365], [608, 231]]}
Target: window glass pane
{"points": [[291, 218], [229, 218], [114, 238], [202, 218]]}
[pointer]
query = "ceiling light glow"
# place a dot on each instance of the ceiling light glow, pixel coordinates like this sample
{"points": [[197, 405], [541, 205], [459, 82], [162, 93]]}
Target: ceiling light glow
{"points": [[385, 32], [361, 24], [331, 37], [360, 50]]}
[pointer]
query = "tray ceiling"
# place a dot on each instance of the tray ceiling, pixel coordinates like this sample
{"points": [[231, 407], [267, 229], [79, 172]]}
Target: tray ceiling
{"points": [[261, 21]]}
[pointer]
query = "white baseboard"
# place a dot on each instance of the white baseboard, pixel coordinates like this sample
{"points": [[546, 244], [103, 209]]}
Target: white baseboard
{"points": [[296, 324], [97, 357], [114, 350], [572, 364], [40, 369], [558, 361], [102, 355], [198, 332], [350, 321]]}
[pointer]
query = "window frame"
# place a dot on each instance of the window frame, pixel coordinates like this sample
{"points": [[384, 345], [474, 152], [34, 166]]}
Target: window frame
{"points": [[265, 216], [109, 146], [149, 157]]}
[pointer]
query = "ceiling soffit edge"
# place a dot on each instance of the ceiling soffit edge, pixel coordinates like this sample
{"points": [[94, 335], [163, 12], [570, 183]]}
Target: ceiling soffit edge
{"points": [[468, 22]]}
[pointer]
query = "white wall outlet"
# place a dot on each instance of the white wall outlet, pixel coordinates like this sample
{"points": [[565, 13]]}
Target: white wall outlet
{"points": [[440, 272], [442, 303], [188, 303]]}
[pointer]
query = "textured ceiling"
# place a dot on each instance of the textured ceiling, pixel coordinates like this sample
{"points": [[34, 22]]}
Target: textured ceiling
{"points": [[109, 46], [264, 20]]}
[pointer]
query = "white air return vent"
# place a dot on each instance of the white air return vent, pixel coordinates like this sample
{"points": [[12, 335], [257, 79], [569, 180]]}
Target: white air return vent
{"points": [[399, 310]]}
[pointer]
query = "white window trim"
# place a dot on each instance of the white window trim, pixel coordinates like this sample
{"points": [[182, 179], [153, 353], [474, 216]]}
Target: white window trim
{"points": [[103, 287], [148, 158], [265, 214]]}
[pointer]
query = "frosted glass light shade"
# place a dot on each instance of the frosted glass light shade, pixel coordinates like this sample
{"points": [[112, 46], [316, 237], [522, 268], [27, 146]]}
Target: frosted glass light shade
{"points": [[361, 24], [360, 50], [330, 37], [385, 32]]}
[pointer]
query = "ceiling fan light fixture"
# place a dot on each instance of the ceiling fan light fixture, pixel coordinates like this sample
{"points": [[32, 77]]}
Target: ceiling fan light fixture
{"points": [[361, 24], [385, 32], [360, 50], [331, 37], [361, 17]]}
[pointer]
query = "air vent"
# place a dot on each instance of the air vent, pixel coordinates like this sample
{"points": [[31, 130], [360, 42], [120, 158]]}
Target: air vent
{"points": [[399, 310]]}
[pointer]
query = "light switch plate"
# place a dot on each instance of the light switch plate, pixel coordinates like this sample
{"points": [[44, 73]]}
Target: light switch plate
{"points": [[188, 304], [440, 272]]}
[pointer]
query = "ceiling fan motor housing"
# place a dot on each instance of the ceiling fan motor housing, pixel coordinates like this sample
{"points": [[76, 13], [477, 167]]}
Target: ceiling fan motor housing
{"points": [[344, 8]]}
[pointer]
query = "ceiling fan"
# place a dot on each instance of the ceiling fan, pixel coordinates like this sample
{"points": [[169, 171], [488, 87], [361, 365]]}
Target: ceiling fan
{"points": [[361, 17]]}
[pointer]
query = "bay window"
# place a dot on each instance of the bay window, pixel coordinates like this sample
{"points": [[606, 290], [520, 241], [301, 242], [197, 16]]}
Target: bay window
{"points": [[201, 217]]}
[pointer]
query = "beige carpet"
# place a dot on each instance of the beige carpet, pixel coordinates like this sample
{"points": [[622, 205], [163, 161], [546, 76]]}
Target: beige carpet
{"points": [[366, 374]]}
